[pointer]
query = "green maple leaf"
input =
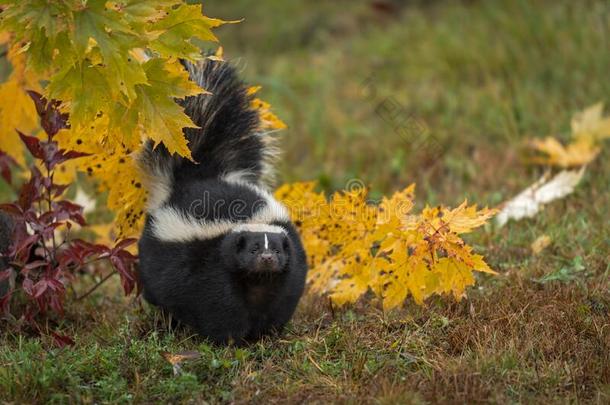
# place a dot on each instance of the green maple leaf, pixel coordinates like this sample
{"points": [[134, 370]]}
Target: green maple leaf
{"points": [[86, 86], [114, 37], [177, 29], [139, 12], [161, 118]]}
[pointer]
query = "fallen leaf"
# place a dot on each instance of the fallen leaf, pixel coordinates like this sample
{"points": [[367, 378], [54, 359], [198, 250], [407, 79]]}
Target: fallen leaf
{"points": [[176, 359], [541, 243], [577, 153], [591, 123], [529, 202]]}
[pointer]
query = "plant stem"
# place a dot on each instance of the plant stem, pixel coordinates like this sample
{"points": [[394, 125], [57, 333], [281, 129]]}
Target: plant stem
{"points": [[95, 287]]}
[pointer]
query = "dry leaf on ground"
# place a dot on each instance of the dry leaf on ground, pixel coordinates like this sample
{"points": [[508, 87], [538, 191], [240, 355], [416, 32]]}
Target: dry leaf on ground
{"points": [[527, 203]]}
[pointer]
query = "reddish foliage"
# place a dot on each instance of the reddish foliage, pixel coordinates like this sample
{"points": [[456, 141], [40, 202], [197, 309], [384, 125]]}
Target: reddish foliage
{"points": [[40, 265], [5, 166]]}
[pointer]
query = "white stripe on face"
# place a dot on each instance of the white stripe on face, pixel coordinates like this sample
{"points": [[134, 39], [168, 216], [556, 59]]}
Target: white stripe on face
{"points": [[170, 225], [266, 242]]}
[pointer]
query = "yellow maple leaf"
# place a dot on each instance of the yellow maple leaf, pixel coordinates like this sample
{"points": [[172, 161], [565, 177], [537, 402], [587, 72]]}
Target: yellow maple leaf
{"points": [[454, 276], [17, 111], [308, 209], [120, 176], [589, 129], [384, 248], [541, 243], [464, 219], [580, 152], [394, 211], [269, 121], [349, 290], [116, 173], [590, 123]]}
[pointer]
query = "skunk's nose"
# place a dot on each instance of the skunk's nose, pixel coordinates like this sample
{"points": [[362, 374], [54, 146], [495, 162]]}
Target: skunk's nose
{"points": [[267, 261], [267, 257]]}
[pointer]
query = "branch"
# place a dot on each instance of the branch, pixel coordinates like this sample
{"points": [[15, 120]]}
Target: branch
{"points": [[95, 287]]}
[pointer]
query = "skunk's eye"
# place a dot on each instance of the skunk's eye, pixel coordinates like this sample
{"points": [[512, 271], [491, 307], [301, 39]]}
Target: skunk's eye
{"points": [[255, 248], [241, 243]]}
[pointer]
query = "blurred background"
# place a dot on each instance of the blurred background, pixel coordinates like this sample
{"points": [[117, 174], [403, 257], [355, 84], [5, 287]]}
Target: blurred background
{"points": [[441, 93]]}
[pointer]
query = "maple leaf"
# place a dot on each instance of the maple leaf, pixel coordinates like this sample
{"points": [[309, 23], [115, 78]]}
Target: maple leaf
{"points": [[114, 38], [590, 123], [16, 108], [119, 174], [176, 359], [177, 29], [462, 219], [161, 117], [359, 247], [541, 243], [575, 154], [454, 276], [308, 209], [589, 129], [268, 119]]}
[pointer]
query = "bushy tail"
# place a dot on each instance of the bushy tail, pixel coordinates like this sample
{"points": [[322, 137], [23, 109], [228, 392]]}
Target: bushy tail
{"points": [[228, 141]]}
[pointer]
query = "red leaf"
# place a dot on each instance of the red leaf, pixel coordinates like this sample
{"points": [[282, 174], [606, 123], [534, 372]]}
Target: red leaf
{"points": [[5, 166], [12, 209], [28, 286], [55, 284], [51, 119], [31, 191], [24, 244], [123, 262], [35, 264], [79, 251], [39, 101], [61, 156], [58, 189], [62, 340], [122, 244], [68, 210], [33, 144], [72, 154], [40, 288]]}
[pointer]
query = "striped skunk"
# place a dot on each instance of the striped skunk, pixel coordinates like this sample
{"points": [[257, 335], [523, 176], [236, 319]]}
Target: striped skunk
{"points": [[218, 252]]}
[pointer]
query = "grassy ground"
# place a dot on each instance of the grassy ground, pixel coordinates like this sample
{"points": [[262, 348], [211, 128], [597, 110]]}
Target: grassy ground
{"points": [[477, 78]]}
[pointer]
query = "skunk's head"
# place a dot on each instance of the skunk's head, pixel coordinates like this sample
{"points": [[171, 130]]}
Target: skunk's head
{"points": [[257, 249]]}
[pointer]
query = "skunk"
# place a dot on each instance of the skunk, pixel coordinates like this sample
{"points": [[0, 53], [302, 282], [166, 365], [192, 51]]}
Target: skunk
{"points": [[218, 252]]}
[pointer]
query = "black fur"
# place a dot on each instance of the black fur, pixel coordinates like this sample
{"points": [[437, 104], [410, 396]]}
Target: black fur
{"points": [[238, 285], [227, 139], [201, 285]]}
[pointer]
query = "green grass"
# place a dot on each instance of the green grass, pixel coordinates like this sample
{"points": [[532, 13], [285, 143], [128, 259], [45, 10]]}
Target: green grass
{"points": [[481, 77]]}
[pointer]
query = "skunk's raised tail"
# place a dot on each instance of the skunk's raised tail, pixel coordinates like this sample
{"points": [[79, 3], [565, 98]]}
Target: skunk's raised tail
{"points": [[228, 142]]}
